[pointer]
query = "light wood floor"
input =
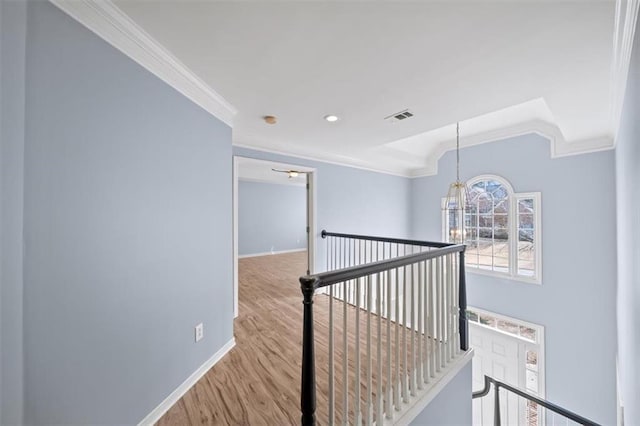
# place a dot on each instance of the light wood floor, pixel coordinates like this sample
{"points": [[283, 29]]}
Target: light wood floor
{"points": [[258, 381]]}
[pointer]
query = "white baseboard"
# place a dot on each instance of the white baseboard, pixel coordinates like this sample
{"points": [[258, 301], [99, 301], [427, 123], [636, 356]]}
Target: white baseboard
{"points": [[169, 401], [268, 253]]}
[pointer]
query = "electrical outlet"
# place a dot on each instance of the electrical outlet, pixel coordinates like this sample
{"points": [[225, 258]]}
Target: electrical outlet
{"points": [[199, 332]]}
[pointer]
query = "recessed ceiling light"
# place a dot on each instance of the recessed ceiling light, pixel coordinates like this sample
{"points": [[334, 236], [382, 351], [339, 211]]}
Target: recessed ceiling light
{"points": [[331, 118]]}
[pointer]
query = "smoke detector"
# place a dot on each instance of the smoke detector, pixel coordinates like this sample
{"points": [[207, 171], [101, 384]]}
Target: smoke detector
{"points": [[399, 116]]}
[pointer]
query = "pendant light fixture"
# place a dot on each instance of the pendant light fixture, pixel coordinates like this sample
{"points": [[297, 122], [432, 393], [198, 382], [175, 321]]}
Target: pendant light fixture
{"points": [[457, 201]]}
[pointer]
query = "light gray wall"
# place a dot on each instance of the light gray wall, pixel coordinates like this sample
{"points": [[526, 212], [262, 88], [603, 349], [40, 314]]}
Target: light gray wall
{"points": [[12, 104], [271, 217], [352, 200], [127, 230], [628, 208], [452, 406], [576, 301]]}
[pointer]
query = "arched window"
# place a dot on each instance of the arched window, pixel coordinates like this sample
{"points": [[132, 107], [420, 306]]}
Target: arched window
{"points": [[502, 229]]}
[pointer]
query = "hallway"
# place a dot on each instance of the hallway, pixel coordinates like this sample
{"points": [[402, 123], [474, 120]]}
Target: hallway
{"points": [[258, 381]]}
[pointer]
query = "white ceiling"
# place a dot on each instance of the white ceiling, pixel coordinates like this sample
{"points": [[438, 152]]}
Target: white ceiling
{"points": [[500, 68]]}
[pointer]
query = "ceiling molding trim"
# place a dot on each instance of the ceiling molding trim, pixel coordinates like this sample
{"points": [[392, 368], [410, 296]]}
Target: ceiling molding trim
{"points": [[557, 145], [111, 24], [626, 17], [293, 155]]}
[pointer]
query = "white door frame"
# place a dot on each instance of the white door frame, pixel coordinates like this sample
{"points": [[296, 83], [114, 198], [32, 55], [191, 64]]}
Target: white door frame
{"points": [[311, 217], [523, 344]]}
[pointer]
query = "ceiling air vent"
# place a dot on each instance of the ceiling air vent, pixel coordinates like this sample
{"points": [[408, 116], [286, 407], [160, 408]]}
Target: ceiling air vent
{"points": [[399, 116]]}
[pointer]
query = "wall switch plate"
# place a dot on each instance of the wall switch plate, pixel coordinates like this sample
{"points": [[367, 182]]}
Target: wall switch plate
{"points": [[199, 332]]}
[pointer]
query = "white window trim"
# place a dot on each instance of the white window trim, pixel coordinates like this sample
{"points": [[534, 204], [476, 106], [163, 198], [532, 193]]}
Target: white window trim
{"points": [[513, 230]]}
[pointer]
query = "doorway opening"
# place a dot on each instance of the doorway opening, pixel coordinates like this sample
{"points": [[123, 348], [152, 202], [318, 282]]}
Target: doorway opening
{"points": [[273, 213], [512, 351]]}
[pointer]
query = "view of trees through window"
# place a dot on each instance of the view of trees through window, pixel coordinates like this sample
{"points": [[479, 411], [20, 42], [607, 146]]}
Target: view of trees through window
{"points": [[526, 242], [499, 228], [487, 226]]}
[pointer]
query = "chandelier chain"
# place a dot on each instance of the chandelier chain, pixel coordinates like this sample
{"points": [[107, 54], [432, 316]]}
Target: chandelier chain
{"points": [[458, 151]]}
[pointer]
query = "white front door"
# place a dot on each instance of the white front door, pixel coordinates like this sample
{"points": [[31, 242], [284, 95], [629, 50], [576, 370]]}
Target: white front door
{"points": [[509, 351], [496, 356]]}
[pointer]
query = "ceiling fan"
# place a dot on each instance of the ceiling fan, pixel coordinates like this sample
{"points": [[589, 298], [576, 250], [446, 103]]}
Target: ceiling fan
{"points": [[292, 173]]}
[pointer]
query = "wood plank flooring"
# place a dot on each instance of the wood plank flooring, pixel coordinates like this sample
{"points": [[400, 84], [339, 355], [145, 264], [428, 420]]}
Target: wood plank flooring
{"points": [[258, 382]]}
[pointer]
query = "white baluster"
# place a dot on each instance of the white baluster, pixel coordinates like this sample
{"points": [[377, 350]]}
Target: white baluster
{"points": [[368, 412], [448, 309], [450, 338], [419, 372], [430, 325], [354, 284], [456, 305], [441, 320], [396, 384], [445, 311], [330, 258], [438, 295], [332, 407], [345, 359], [387, 395], [405, 372], [425, 323], [358, 413], [379, 351], [412, 382]]}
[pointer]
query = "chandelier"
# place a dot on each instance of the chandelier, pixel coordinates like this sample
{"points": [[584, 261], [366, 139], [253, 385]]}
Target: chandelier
{"points": [[457, 202]]}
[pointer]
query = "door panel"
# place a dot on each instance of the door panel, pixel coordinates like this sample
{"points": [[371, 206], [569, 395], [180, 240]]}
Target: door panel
{"points": [[496, 355]]}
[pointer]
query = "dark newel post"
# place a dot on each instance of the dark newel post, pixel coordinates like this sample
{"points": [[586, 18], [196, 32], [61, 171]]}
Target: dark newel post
{"points": [[308, 388], [462, 303]]}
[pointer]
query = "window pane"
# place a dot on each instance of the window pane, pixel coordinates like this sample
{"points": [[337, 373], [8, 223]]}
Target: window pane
{"points": [[508, 327], [487, 320], [525, 205], [497, 190], [528, 333], [488, 231], [502, 206], [526, 237], [485, 205], [472, 316], [532, 413]]}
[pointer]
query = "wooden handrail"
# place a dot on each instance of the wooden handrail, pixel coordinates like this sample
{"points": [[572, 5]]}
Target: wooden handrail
{"points": [[332, 277], [326, 234]]}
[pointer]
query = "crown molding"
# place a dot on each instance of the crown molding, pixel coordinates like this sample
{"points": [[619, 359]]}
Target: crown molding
{"points": [[558, 148], [111, 24], [319, 159], [557, 144], [626, 17]]}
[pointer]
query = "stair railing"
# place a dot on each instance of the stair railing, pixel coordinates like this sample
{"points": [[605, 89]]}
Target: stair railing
{"points": [[497, 418], [398, 307]]}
